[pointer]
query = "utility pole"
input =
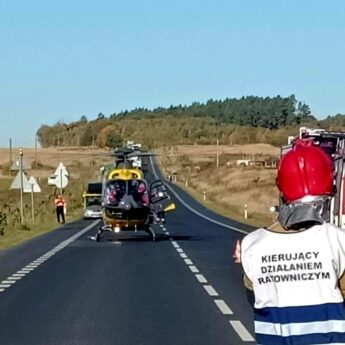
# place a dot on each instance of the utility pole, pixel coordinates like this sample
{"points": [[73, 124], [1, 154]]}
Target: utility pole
{"points": [[10, 162], [217, 153], [21, 185], [35, 152], [32, 202]]}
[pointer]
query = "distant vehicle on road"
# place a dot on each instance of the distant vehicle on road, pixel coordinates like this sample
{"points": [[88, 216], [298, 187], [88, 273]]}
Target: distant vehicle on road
{"points": [[93, 200]]}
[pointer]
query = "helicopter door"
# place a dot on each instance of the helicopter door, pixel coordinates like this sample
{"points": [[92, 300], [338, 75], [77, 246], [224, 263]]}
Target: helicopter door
{"points": [[158, 192]]}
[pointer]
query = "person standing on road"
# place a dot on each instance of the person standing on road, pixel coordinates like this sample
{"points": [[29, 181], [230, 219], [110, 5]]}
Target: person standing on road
{"points": [[60, 204], [296, 270]]}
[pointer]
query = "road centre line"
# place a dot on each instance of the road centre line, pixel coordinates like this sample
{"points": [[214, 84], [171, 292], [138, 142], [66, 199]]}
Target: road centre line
{"points": [[201, 278], [237, 325], [179, 250], [183, 256], [188, 262], [224, 308], [194, 269], [210, 290], [33, 265], [241, 330]]}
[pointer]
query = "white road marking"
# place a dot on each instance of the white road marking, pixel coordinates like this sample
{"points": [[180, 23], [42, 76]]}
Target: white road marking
{"points": [[14, 278], [224, 308], [5, 286], [33, 265], [188, 262], [175, 244], [210, 290], [168, 233], [179, 250], [236, 324], [165, 229], [201, 278], [183, 255], [241, 330], [194, 269]]}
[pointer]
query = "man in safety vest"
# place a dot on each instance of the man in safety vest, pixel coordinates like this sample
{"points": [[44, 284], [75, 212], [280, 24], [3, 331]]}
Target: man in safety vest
{"points": [[296, 270], [60, 204]]}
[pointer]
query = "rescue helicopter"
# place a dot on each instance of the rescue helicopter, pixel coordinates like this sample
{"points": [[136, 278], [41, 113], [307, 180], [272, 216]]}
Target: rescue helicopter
{"points": [[130, 202]]}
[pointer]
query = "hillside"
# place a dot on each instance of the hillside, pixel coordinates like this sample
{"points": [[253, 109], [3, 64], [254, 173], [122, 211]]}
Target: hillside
{"points": [[232, 121]]}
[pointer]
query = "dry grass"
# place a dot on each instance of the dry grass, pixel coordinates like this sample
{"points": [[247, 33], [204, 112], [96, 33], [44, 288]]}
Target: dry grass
{"points": [[227, 189], [82, 164], [49, 158], [204, 150]]}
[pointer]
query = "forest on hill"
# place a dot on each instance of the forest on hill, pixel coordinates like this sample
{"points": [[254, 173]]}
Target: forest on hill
{"points": [[246, 120]]}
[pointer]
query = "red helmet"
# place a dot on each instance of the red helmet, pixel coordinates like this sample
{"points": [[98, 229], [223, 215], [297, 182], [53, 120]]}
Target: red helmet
{"points": [[305, 170]]}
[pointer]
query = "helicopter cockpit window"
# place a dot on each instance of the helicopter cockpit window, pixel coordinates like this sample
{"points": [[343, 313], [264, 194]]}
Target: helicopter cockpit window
{"points": [[138, 190], [115, 191]]}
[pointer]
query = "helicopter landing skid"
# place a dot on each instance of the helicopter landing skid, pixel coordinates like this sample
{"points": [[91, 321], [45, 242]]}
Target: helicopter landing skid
{"points": [[152, 233], [103, 228]]}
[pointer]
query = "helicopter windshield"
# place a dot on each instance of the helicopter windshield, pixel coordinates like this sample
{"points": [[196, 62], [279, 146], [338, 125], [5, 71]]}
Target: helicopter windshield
{"points": [[116, 189]]}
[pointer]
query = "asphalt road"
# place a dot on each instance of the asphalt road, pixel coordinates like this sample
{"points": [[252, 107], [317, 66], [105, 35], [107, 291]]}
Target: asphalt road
{"points": [[63, 288]]}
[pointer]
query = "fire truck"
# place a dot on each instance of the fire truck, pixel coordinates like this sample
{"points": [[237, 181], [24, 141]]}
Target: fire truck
{"points": [[333, 143]]}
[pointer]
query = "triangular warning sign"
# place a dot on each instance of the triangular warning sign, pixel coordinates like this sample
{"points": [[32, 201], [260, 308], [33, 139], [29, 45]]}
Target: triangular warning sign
{"points": [[17, 183], [61, 170], [32, 186], [16, 165]]}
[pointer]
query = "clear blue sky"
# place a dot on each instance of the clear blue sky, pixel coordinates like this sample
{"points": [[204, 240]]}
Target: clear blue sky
{"points": [[61, 59]]}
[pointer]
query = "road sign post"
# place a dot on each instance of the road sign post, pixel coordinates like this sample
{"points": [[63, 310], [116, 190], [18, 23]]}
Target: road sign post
{"points": [[61, 182], [21, 185], [32, 202]]}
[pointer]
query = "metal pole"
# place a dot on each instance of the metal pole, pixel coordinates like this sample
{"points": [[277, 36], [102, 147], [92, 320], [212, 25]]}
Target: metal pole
{"points": [[32, 202], [61, 182], [36, 153], [21, 185], [10, 162], [217, 153]]}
